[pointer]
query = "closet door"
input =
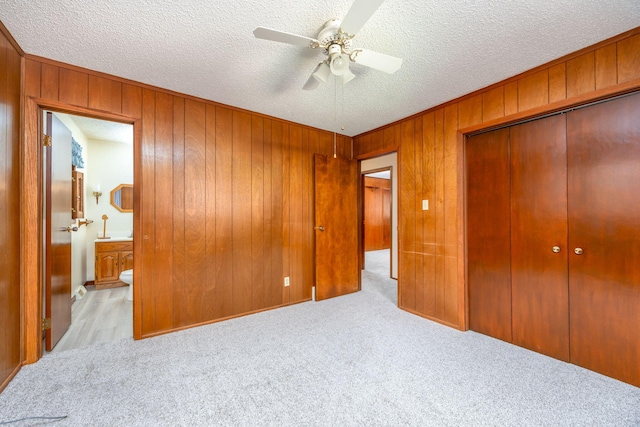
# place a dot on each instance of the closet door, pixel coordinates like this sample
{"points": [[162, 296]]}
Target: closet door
{"points": [[604, 237], [539, 289], [488, 234]]}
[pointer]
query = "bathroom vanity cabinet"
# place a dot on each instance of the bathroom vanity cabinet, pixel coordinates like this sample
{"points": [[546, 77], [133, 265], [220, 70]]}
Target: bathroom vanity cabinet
{"points": [[112, 258]]}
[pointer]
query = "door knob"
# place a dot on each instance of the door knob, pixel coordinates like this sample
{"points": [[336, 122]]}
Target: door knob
{"points": [[320, 227], [577, 251], [69, 229], [555, 249]]}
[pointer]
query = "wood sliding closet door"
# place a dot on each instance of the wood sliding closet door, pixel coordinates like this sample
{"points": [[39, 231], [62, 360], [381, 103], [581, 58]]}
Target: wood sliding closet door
{"points": [[553, 236], [604, 221], [488, 234], [539, 289]]}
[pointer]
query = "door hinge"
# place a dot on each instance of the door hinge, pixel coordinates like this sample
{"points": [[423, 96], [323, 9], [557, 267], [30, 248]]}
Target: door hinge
{"points": [[46, 323], [46, 140]]}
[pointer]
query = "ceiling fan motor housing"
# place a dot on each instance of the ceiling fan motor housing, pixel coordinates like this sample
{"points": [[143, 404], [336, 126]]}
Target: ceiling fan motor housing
{"points": [[330, 35]]}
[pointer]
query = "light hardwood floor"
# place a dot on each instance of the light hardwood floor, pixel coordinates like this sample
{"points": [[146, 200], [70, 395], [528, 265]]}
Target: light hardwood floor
{"points": [[101, 316]]}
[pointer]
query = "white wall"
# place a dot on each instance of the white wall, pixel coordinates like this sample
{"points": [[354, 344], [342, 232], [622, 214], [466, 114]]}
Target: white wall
{"points": [[110, 164], [79, 238], [388, 160]]}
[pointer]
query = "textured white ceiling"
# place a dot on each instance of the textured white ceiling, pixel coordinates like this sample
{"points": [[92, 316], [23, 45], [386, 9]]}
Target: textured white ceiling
{"points": [[207, 49], [102, 130]]}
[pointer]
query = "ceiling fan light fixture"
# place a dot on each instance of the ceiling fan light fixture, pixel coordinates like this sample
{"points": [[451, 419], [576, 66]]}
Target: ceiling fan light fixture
{"points": [[339, 64], [347, 76], [322, 73]]}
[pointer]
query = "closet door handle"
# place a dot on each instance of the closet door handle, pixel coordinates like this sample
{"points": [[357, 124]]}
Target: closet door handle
{"points": [[320, 227], [578, 251], [555, 249]]}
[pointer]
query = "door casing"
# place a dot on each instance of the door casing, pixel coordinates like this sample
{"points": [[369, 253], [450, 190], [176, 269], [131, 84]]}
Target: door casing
{"points": [[32, 204]]}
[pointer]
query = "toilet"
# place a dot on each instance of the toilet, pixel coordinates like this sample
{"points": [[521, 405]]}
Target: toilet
{"points": [[127, 277]]}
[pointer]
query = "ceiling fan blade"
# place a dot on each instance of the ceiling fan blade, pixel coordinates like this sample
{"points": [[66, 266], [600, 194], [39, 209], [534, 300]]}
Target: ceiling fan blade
{"points": [[283, 37], [312, 83], [379, 61], [359, 14]]}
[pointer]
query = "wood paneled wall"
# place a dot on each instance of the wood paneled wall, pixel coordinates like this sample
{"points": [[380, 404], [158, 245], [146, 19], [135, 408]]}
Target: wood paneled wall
{"points": [[10, 348], [430, 153], [224, 198]]}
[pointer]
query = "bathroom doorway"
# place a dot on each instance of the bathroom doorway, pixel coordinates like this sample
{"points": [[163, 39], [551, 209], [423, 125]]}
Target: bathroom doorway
{"points": [[101, 216]]}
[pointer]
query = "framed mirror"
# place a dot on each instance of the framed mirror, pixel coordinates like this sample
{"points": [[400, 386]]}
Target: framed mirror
{"points": [[122, 197]]}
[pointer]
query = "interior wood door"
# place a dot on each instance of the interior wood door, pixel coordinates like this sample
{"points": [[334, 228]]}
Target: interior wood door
{"points": [[386, 216], [604, 223], [488, 233], [372, 216], [336, 216], [539, 288], [58, 232]]}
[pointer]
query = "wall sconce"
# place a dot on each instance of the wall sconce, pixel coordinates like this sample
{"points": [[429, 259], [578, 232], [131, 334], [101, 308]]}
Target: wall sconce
{"points": [[96, 192]]}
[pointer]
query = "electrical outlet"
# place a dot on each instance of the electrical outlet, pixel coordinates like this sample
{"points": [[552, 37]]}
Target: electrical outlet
{"points": [[425, 205], [286, 281]]}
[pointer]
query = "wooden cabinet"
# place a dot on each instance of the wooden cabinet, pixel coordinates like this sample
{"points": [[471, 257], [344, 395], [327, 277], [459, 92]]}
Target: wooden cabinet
{"points": [[112, 258]]}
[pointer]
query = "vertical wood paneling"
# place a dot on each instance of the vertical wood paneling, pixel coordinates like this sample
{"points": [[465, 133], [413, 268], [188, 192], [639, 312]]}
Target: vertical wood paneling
{"points": [[178, 189], [438, 207], [418, 197], [74, 87], [163, 212], [558, 82], [297, 245], [105, 94], [510, 98], [224, 212], [606, 67], [325, 144], [194, 211], [277, 243], [408, 220], [389, 136], [533, 90], [257, 212], [12, 159], [132, 100], [493, 104], [7, 145], [428, 217], [286, 210], [32, 77], [450, 291], [470, 111], [241, 164], [629, 59], [147, 205], [270, 285], [581, 75], [10, 319], [210, 284], [49, 87]]}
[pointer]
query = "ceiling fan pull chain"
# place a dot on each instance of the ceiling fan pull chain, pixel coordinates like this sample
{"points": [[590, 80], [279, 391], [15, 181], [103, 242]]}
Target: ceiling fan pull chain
{"points": [[342, 116]]}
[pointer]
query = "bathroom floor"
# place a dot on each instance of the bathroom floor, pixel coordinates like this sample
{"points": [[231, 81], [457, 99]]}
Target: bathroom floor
{"points": [[101, 316]]}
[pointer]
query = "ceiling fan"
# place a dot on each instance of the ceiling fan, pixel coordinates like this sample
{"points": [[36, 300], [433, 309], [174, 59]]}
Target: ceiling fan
{"points": [[335, 41]]}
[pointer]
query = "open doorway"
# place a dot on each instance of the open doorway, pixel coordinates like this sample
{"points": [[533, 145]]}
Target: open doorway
{"points": [[377, 221], [380, 215], [101, 232]]}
